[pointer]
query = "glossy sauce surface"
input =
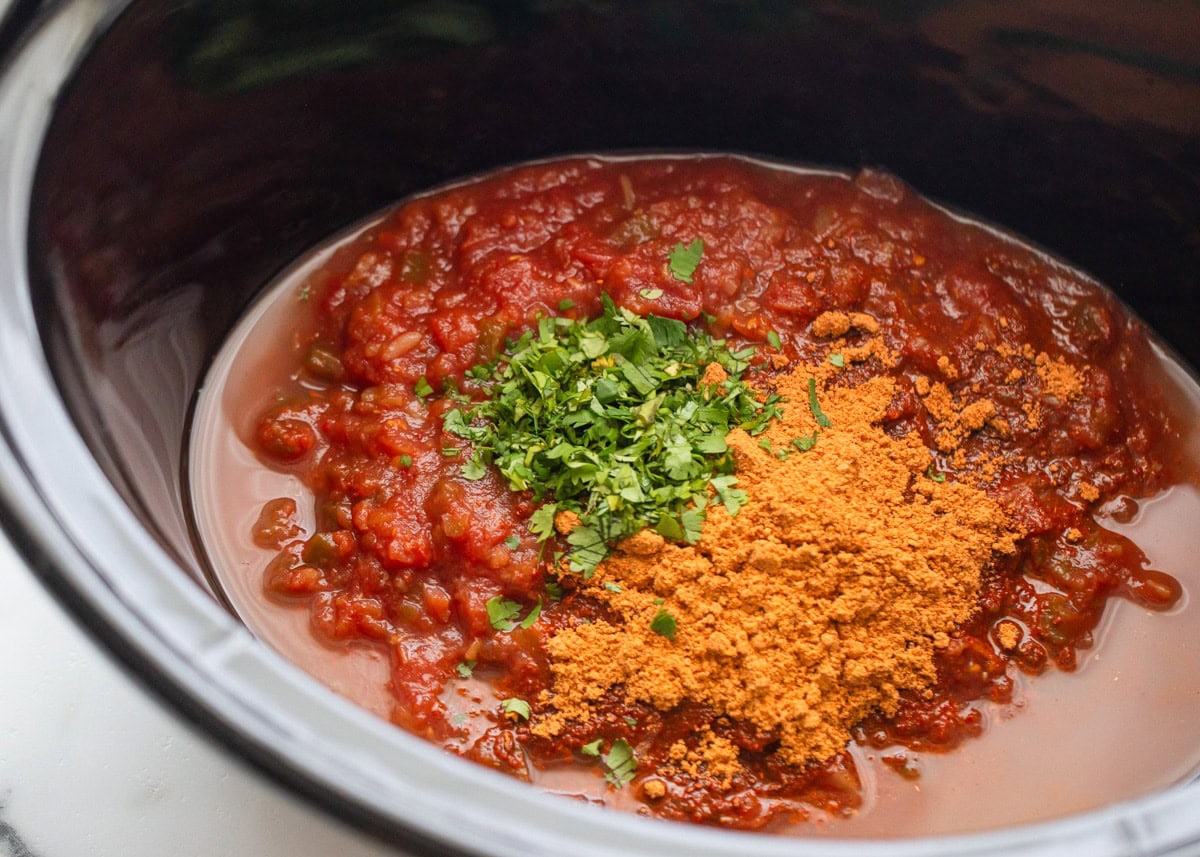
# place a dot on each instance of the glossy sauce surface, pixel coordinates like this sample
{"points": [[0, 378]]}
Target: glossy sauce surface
{"points": [[435, 287]]}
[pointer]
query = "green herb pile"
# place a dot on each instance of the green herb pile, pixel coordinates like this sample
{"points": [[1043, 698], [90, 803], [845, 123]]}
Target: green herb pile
{"points": [[607, 418]]}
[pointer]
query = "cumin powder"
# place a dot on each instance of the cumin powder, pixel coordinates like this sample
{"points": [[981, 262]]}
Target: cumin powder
{"points": [[822, 599]]}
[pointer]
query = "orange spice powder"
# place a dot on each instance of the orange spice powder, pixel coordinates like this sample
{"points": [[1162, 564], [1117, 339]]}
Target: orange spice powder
{"points": [[814, 606]]}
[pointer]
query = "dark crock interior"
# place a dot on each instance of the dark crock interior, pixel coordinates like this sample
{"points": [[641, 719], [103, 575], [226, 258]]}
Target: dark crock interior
{"points": [[202, 146]]}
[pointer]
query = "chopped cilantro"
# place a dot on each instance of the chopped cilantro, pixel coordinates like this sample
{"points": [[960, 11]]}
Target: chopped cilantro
{"points": [[683, 261], [565, 304], [588, 549], [612, 586], [664, 623], [607, 417], [528, 621], [620, 762], [474, 469], [541, 522], [518, 708], [935, 475], [592, 748], [631, 722], [733, 498], [422, 388], [554, 591], [512, 542], [502, 613], [837, 360], [451, 451], [466, 669], [651, 294], [773, 340], [819, 415], [766, 444], [804, 444], [404, 461], [770, 411]]}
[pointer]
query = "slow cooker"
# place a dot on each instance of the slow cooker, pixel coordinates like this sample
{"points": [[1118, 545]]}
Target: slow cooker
{"points": [[162, 161]]}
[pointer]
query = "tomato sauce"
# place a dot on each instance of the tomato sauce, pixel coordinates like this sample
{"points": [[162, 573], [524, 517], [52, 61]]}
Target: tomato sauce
{"points": [[399, 555]]}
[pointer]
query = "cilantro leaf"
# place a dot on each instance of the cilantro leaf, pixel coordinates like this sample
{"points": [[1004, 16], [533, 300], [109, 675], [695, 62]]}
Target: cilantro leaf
{"points": [[466, 669], [677, 458], [819, 415], [512, 542], [422, 387], [541, 522], [502, 612], [773, 340], [528, 621], [664, 624], [518, 708], [732, 498], [592, 748], [837, 360], [620, 762], [683, 261], [805, 443], [590, 549], [669, 333], [636, 376], [692, 520], [474, 469], [669, 528]]}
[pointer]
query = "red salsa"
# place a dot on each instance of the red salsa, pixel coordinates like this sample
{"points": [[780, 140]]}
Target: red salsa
{"points": [[407, 553]]}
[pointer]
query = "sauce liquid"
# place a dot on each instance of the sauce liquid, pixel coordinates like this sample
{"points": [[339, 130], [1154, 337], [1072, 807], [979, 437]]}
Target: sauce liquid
{"points": [[1113, 730]]}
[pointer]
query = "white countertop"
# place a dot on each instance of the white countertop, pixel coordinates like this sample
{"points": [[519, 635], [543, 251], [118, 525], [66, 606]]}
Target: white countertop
{"points": [[92, 766]]}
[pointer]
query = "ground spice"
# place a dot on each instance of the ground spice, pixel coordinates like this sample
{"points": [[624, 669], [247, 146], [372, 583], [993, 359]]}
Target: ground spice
{"points": [[957, 417], [1060, 380], [1008, 634], [817, 604], [955, 420], [837, 325]]}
